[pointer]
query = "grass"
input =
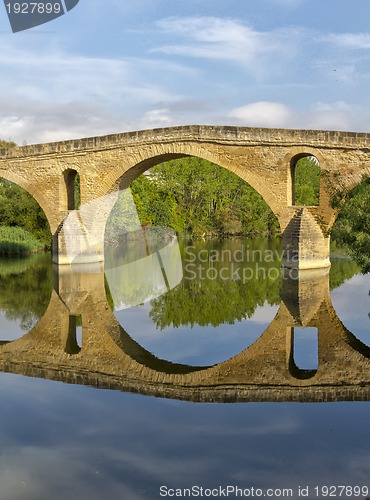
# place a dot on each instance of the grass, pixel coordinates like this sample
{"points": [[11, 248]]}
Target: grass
{"points": [[339, 252], [17, 241]]}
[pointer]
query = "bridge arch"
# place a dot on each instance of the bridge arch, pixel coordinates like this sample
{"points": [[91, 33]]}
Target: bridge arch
{"points": [[70, 189], [291, 159], [123, 174]]}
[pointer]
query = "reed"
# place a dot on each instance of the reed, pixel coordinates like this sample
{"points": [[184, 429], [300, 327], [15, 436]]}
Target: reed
{"points": [[17, 241]]}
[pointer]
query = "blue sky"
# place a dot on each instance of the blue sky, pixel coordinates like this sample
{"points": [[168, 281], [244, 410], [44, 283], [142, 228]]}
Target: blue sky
{"points": [[111, 66]]}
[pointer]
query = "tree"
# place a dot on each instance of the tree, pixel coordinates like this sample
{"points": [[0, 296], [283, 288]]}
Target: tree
{"points": [[197, 197], [352, 227], [19, 209], [7, 144], [307, 181]]}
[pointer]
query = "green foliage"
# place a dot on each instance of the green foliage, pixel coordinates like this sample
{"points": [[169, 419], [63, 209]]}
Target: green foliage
{"points": [[204, 298], [77, 192], [25, 290], [352, 227], [341, 271], [7, 144], [214, 303], [19, 209], [197, 197], [17, 241], [224, 282], [307, 181]]}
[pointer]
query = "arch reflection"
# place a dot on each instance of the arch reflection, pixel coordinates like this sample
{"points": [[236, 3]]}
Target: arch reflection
{"points": [[110, 358]]}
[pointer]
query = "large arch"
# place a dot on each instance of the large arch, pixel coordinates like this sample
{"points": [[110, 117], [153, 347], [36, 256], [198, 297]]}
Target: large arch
{"points": [[124, 173]]}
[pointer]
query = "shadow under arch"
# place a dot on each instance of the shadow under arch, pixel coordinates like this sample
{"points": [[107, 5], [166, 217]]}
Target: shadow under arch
{"points": [[71, 188]]}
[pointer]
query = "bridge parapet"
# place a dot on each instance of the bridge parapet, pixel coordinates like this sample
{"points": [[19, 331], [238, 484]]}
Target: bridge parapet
{"points": [[223, 134]]}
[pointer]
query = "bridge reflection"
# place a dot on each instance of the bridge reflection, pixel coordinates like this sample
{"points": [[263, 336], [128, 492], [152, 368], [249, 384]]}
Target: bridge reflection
{"points": [[266, 371]]}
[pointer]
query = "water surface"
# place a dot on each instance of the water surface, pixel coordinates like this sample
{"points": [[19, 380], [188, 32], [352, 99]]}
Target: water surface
{"points": [[66, 440]]}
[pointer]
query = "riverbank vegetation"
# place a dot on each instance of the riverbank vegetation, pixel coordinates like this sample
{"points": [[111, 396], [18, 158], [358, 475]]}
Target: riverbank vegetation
{"points": [[24, 228], [26, 285], [17, 241]]}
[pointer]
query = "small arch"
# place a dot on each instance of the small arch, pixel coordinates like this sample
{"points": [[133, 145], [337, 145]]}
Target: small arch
{"points": [[303, 355], [305, 180], [74, 339], [72, 185]]}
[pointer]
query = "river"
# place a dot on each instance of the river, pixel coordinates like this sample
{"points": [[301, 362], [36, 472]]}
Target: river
{"points": [[198, 365]]}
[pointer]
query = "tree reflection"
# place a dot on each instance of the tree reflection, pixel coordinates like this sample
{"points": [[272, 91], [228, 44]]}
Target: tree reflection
{"points": [[207, 299], [25, 291]]}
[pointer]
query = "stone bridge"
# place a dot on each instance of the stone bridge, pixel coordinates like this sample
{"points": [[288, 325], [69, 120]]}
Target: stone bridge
{"points": [[265, 371], [264, 158]]}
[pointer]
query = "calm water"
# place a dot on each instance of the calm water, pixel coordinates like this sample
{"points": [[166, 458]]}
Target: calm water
{"points": [[308, 341]]}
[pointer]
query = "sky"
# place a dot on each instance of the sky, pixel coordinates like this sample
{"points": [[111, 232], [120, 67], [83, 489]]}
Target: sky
{"points": [[110, 66]]}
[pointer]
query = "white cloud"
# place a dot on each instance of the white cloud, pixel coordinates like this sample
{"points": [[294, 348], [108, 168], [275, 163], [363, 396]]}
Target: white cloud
{"points": [[349, 40], [331, 116], [58, 95], [321, 116], [263, 114], [158, 117], [228, 40]]}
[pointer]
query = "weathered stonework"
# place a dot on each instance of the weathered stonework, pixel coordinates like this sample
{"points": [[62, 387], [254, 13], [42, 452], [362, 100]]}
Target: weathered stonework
{"points": [[304, 244], [262, 157]]}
